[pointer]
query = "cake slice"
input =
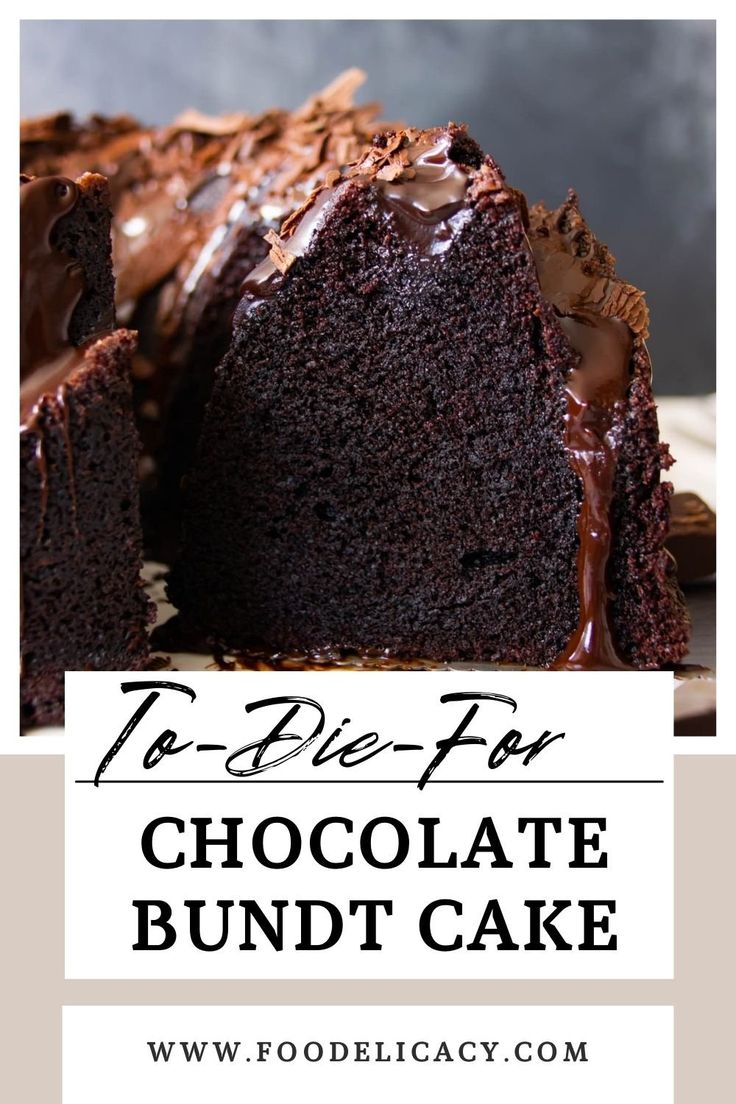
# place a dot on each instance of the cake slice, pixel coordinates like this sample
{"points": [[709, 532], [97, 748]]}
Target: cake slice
{"points": [[431, 439], [83, 604]]}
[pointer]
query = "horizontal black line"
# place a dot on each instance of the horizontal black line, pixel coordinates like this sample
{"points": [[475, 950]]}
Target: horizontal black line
{"points": [[371, 781]]}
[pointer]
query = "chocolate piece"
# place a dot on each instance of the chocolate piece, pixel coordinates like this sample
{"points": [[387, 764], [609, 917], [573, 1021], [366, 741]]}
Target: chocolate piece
{"points": [[692, 538], [265, 279], [385, 462]]}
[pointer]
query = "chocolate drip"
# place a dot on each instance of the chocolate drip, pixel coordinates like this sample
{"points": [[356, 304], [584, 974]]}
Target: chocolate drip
{"points": [[51, 283], [593, 390], [602, 317]]}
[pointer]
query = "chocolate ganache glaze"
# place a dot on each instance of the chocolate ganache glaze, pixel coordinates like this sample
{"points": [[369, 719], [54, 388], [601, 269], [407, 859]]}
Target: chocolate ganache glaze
{"points": [[267, 277], [593, 389], [51, 283], [426, 190], [603, 319]]}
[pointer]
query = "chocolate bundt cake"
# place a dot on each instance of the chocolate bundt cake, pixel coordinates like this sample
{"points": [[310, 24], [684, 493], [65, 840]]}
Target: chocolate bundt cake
{"points": [[83, 606], [434, 433], [431, 433]]}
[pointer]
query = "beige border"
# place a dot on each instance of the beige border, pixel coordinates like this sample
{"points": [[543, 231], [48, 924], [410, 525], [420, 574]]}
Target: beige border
{"points": [[33, 986]]}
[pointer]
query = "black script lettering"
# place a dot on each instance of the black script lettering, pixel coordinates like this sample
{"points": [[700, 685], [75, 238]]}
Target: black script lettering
{"points": [[277, 735]]}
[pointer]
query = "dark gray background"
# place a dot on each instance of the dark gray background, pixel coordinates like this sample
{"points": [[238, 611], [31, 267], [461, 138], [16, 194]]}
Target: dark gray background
{"points": [[622, 111]]}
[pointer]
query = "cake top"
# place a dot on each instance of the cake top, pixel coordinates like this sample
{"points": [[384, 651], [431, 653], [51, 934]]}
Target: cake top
{"points": [[178, 189], [606, 322], [266, 169], [429, 179], [422, 176]]}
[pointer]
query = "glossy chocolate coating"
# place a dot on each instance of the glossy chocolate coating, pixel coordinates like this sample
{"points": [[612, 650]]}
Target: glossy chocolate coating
{"points": [[428, 198], [603, 319], [51, 283], [593, 389]]}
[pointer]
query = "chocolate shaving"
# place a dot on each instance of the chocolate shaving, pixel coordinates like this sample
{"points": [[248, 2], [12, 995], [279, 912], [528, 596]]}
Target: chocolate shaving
{"points": [[393, 169], [561, 240], [282, 259], [214, 125], [337, 96]]}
